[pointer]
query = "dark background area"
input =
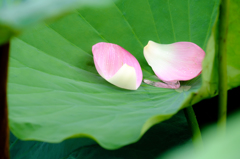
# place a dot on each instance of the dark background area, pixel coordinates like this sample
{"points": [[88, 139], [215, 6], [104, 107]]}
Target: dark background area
{"points": [[207, 110]]}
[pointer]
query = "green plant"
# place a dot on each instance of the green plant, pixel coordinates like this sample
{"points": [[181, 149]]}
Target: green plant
{"points": [[55, 92]]}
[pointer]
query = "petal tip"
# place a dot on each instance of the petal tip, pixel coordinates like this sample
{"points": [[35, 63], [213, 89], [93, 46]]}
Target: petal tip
{"points": [[148, 44]]}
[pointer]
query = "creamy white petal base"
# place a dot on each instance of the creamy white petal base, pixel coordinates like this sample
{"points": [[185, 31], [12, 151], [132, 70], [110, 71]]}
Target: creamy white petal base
{"points": [[125, 78]]}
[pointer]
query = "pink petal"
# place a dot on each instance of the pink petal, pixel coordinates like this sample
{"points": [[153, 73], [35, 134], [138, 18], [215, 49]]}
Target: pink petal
{"points": [[179, 61], [109, 58]]}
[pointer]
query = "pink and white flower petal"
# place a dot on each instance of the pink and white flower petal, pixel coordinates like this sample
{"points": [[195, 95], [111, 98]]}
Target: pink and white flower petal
{"points": [[117, 65], [179, 61]]}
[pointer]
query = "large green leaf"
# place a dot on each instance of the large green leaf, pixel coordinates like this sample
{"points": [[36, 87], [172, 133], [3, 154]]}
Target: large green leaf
{"points": [[82, 148], [55, 92], [16, 15]]}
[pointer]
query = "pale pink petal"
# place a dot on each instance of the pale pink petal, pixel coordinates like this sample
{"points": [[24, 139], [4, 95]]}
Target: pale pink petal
{"points": [[179, 61], [109, 58]]}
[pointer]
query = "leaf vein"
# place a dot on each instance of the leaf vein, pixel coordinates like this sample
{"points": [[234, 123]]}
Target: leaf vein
{"points": [[154, 22], [209, 27], [171, 21], [67, 39], [189, 29], [91, 26], [129, 26]]}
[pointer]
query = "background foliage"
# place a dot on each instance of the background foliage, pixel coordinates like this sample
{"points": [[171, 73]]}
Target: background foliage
{"points": [[17, 15], [233, 48], [215, 146]]}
